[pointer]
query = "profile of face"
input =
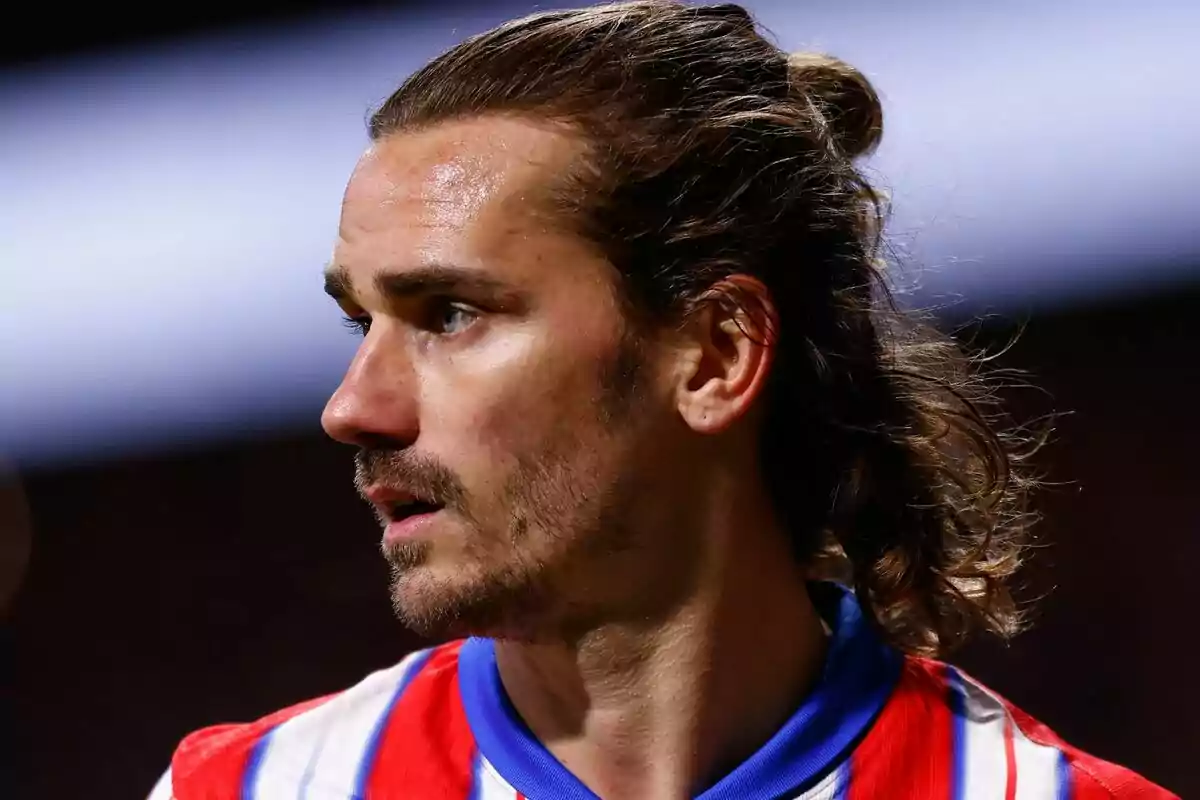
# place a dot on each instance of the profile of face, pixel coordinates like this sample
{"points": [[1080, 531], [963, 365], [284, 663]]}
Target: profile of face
{"points": [[514, 435]]}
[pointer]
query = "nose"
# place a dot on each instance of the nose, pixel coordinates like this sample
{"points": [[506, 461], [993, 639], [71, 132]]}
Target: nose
{"points": [[376, 399]]}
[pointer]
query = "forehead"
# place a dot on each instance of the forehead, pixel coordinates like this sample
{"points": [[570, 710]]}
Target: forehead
{"points": [[470, 185]]}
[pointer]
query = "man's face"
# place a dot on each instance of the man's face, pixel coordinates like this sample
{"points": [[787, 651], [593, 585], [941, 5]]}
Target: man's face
{"points": [[510, 427]]}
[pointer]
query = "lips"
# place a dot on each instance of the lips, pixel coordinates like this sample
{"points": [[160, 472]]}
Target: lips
{"points": [[404, 515], [405, 510], [396, 505], [409, 521]]}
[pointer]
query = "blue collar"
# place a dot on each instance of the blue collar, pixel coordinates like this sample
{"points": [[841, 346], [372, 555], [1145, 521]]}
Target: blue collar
{"points": [[856, 681]]}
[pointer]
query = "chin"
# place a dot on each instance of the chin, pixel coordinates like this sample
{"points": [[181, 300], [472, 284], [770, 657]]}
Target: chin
{"points": [[431, 608], [453, 604]]}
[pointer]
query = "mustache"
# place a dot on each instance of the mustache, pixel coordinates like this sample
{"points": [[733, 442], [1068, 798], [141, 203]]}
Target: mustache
{"points": [[422, 476]]}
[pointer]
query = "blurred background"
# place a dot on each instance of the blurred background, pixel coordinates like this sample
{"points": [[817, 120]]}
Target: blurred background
{"points": [[179, 545]]}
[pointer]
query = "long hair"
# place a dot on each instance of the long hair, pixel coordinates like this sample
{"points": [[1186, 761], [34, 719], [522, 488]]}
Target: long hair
{"points": [[710, 152]]}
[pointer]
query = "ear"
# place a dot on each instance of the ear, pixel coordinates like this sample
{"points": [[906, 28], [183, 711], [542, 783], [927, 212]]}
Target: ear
{"points": [[727, 354]]}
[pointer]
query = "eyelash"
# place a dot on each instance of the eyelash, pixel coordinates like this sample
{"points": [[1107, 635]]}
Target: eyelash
{"points": [[361, 326]]}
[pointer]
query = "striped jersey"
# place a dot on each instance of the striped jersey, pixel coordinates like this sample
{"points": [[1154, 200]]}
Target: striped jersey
{"points": [[439, 726]]}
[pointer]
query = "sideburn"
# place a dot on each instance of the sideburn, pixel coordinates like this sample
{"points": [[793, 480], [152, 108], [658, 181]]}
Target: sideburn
{"points": [[620, 378]]}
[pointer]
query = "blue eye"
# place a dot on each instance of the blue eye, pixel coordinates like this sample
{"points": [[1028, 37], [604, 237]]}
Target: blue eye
{"points": [[442, 317], [449, 317]]}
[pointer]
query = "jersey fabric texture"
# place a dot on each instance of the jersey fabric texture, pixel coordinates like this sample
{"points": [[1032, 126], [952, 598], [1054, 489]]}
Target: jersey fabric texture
{"points": [[439, 726]]}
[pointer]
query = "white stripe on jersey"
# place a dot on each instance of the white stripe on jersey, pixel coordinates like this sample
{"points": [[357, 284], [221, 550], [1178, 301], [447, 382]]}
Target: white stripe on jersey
{"points": [[317, 754], [984, 760], [835, 786], [490, 785], [1037, 768], [162, 789], [1036, 765]]}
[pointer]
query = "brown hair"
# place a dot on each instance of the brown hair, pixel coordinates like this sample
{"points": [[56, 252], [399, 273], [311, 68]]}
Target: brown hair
{"points": [[711, 153]]}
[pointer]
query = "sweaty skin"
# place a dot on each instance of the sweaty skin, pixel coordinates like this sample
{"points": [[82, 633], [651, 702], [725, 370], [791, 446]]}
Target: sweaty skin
{"points": [[602, 513]]}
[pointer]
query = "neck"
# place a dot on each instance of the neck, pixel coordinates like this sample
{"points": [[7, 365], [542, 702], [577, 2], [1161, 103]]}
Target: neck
{"points": [[663, 709]]}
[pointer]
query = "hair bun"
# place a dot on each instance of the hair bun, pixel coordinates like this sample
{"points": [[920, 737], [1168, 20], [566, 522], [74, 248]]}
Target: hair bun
{"points": [[848, 99]]}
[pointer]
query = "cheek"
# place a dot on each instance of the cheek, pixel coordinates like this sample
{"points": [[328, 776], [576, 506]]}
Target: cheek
{"points": [[496, 406]]}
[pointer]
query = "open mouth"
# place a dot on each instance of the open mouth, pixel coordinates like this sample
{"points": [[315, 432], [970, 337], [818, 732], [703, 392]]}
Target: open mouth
{"points": [[402, 511], [394, 506]]}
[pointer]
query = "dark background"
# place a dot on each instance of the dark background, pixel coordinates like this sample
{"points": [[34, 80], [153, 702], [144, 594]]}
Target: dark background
{"points": [[179, 589]]}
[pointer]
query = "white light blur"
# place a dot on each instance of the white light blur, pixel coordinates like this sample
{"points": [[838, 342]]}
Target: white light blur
{"points": [[165, 213]]}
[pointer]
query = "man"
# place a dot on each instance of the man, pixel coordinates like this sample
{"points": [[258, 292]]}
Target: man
{"points": [[629, 389]]}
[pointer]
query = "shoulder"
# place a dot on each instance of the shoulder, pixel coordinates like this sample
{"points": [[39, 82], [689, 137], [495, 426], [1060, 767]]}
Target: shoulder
{"points": [[321, 744], [989, 739], [1089, 777]]}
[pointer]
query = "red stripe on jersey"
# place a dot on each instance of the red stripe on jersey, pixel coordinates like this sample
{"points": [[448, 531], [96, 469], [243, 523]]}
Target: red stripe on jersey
{"points": [[909, 751], [212, 761], [1088, 777], [426, 748], [1010, 760]]}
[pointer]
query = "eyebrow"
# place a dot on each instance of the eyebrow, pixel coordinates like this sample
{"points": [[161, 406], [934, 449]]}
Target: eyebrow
{"points": [[431, 279]]}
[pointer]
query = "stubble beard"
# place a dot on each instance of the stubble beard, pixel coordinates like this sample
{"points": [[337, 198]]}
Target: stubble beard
{"points": [[560, 524], [562, 517]]}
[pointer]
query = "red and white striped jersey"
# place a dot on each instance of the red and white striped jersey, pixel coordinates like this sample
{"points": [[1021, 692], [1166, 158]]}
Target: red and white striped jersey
{"points": [[440, 726]]}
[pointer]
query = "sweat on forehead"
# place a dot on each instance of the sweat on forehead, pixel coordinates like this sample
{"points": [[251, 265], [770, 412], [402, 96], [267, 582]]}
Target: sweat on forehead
{"points": [[456, 168]]}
